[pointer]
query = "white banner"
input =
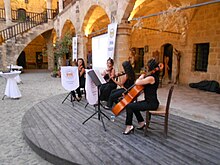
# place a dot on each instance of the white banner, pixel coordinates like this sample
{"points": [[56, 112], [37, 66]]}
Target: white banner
{"points": [[99, 51], [112, 30], [91, 90], [70, 77], [74, 48]]}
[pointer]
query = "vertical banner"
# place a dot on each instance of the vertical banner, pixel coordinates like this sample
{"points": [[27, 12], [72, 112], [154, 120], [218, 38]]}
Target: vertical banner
{"points": [[112, 30], [74, 48], [69, 77]]}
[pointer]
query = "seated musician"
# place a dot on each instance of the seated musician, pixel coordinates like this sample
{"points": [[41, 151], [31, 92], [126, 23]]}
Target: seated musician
{"points": [[150, 83], [127, 80], [108, 75], [81, 69]]}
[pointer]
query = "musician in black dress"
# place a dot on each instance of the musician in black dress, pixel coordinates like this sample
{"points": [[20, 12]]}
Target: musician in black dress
{"points": [[108, 74], [150, 102], [81, 69], [127, 79]]}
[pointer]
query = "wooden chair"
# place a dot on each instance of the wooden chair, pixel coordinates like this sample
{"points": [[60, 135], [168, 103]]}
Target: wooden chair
{"points": [[162, 111]]}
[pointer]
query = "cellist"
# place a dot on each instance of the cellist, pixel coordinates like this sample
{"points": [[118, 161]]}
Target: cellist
{"points": [[150, 102]]}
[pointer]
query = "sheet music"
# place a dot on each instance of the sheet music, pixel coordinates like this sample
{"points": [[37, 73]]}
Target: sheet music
{"points": [[100, 77], [91, 90], [96, 77]]}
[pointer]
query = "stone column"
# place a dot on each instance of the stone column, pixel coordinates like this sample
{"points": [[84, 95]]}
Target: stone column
{"points": [[49, 6], [60, 6], [8, 11], [81, 45], [122, 44], [48, 36]]}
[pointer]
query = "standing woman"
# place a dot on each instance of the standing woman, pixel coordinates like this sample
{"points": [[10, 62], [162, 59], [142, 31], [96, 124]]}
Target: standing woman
{"points": [[150, 83], [127, 80], [81, 69], [108, 75]]}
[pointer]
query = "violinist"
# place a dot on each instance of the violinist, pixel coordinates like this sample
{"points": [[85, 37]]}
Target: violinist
{"points": [[108, 75], [150, 102], [127, 80], [81, 69]]}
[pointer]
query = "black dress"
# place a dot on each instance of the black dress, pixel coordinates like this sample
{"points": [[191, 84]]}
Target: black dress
{"points": [[81, 85], [105, 89], [149, 103], [117, 93]]}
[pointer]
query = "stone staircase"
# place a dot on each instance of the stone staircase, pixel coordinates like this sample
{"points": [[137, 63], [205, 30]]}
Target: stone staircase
{"points": [[14, 38], [11, 49]]}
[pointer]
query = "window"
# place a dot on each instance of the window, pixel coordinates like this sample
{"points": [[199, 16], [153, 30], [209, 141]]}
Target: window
{"points": [[201, 57]]}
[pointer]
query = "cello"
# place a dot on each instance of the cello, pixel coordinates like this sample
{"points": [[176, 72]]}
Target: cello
{"points": [[132, 93]]}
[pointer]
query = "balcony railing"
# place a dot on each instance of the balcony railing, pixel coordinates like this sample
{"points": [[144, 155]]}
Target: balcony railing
{"points": [[22, 15], [27, 24], [2, 13]]}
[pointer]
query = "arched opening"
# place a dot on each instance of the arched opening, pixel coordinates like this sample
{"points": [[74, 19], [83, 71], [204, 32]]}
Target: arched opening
{"points": [[21, 14], [167, 60], [95, 23], [34, 54], [68, 32], [21, 61]]}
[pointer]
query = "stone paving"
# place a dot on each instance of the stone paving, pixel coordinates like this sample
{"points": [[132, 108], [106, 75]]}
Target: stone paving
{"points": [[36, 87], [193, 104]]}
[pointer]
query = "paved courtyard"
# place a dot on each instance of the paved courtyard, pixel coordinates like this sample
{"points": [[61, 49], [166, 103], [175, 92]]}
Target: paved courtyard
{"points": [[193, 104], [36, 87]]}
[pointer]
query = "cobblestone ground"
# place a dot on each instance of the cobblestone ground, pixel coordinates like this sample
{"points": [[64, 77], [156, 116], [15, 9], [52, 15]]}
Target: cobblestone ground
{"points": [[36, 87]]}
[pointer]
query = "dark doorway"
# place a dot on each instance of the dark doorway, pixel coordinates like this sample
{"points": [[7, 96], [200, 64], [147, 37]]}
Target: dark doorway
{"points": [[21, 14], [39, 60], [167, 60], [21, 61], [139, 60]]}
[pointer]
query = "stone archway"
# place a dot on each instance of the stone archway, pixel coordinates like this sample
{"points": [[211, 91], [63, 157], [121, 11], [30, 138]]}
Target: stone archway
{"points": [[168, 61], [68, 29], [95, 23]]}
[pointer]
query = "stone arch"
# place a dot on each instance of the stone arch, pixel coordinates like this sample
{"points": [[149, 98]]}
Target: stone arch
{"points": [[146, 7], [128, 9], [31, 37], [104, 7], [44, 35], [68, 27], [97, 16], [94, 25]]}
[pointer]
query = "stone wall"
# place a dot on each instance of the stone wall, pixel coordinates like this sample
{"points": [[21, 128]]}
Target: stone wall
{"points": [[203, 27]]}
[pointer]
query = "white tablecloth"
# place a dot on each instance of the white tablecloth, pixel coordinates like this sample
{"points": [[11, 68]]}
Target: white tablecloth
{"points": [[11, 90], [15, 67]]}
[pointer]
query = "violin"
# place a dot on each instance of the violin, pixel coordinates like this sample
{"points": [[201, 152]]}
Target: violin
{"points": [[132, 93], [119, 75]]}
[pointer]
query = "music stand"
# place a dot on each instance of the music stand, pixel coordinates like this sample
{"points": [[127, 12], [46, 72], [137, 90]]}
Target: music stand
{"points": [[72, 97], [70, 81], [98, 111]]}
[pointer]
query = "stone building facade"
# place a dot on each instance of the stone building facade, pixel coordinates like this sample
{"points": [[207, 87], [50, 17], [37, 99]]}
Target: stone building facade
{"points": [[184, 34]]}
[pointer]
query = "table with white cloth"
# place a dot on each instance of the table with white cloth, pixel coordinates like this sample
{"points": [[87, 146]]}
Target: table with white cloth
{"points": [[14, 68], [11, 90]]}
